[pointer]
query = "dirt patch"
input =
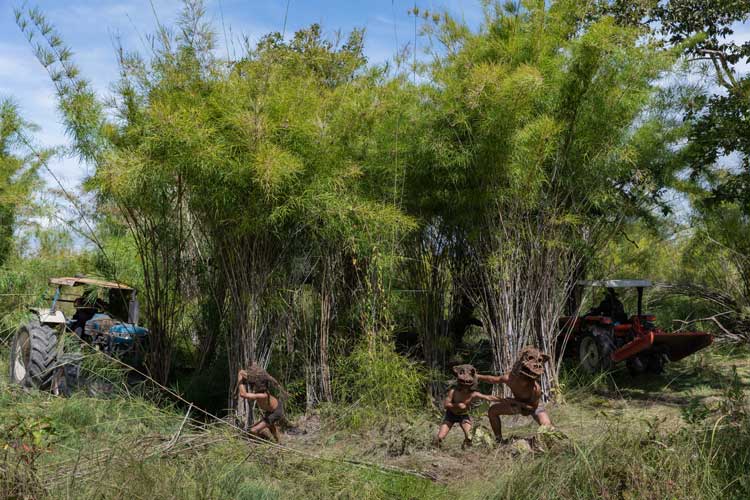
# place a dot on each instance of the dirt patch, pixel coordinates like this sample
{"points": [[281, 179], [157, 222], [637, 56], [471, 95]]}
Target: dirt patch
{"points": [[587, 415], [408, 445]]}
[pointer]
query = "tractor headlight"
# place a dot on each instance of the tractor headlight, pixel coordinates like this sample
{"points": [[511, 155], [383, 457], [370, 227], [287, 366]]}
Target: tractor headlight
{"points": [[122, 335]]}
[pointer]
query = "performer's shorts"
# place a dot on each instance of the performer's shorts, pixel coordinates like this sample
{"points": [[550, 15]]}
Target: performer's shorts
{"points": [[527, 413], [274, 416], [453, 418]]}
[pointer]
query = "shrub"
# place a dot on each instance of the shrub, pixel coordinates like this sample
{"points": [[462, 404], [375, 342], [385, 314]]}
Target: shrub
{"points": [[377, 378], [708, 458]]}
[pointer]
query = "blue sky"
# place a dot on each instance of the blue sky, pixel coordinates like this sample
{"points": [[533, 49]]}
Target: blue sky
{"points": [[89, 26]]}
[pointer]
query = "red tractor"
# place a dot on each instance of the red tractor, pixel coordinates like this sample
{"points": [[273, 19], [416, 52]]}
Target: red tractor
{"points": [[606, 335]]}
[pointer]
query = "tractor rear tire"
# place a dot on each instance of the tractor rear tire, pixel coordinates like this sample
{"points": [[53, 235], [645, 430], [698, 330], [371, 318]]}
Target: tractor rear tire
{"points": [[32, 356], [594, 352]]}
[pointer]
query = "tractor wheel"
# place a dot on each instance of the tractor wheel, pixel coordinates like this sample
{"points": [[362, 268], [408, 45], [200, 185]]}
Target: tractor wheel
{"points": [[655, 364], [636, 366], [594, 352], [32, 356]]}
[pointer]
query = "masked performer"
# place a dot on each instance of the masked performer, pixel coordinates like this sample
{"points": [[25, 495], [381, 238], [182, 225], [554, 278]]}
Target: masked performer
{"points": [[253, 386], [458, 403], [523, 381]]}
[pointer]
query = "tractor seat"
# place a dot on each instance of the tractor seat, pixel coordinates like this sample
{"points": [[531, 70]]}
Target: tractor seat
{"points": [[86, 311], [598, 319], [82, 315]]}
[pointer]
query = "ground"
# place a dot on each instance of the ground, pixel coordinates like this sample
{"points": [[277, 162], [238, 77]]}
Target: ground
{"points": [[658, 437], [592, 407]]}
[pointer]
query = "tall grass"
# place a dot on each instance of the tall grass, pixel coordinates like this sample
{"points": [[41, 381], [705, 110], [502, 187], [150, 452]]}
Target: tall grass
{"points": [[378, 382], [708, 457], [694, 463], [94, 447]]}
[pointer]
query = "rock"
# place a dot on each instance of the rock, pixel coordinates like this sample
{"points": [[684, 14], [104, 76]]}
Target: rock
{"points": [[521, 447], [712, 402], [483, 437], [308, 424], [548, 437], [550, 433]]}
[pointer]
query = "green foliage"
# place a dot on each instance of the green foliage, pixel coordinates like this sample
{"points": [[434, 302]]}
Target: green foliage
{"points": [[378, 379], [524, 112], [706, 24], [272, 203], [624, 464], [716, 152], [77, 101], [24, 278], [716, 265], [22, 443], [18, 173], [624, 447], [254, 152], [243, 194], [23, 281], [540, 140], [210, 461], [210, 157]]}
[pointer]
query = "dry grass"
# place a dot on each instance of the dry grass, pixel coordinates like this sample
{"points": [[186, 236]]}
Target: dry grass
{"points": [[666, 437]]}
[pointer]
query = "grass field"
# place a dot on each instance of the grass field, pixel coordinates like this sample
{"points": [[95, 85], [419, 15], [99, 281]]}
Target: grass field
{"points": [[684, 434]]}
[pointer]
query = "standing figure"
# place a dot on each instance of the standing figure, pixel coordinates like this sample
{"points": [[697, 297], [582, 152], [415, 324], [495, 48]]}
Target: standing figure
{"points": [[257, 380], [523, 381], [611, 307], [458, 403]]}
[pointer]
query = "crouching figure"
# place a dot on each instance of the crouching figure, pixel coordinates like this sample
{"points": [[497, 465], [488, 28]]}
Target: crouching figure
{"points": [[523, 382], [254, 386]]}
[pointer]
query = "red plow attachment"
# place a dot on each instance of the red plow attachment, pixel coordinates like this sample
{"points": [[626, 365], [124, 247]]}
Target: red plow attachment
{"points": [[675, 345]]}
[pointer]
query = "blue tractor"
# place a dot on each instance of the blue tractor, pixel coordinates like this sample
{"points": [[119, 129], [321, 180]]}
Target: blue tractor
{"points": [[101, 313]]}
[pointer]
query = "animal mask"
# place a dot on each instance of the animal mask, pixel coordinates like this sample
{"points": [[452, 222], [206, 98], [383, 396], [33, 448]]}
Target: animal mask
{"points": [[530, 363], [466, 375], [259, 379]]}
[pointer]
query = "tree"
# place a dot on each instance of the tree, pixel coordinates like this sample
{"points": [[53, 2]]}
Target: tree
{"points": [[18, 172], [239, 168], [153, 212], [539, 143], [717, 148]]}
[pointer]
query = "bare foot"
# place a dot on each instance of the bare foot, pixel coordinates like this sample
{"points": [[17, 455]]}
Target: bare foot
{"points": [[467, 444]]}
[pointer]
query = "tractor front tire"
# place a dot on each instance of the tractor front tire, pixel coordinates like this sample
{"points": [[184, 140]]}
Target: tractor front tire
{"points": [[32, 356], [594, 352], [636, 366], [655, 364]]}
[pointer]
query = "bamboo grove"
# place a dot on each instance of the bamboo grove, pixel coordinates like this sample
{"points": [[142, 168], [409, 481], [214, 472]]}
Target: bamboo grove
{"points": [[297, 206]]}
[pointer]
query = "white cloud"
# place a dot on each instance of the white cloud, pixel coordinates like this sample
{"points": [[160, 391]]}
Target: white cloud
{"points": [[14, 64], [88, 30]]}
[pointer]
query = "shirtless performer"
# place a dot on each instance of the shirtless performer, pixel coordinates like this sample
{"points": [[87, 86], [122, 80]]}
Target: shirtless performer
{"points": [[523, 381], [458, 402], [273, 410]]}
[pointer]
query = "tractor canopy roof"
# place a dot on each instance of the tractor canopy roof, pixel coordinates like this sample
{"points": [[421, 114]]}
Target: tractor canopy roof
{"points": [[616, 283], [77, 281]]}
